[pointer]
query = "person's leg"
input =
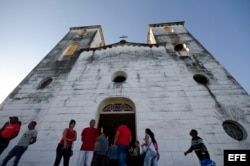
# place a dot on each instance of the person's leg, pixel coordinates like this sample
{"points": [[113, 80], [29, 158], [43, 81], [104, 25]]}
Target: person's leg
{"points": [[96, 160], [66, 156], [19, 153], [150, 158], [3, 144], [11, 154], [58, 155], [146, 159], [154, 160], [89, 157], [122, 154], [81, 158], [103, 160]]}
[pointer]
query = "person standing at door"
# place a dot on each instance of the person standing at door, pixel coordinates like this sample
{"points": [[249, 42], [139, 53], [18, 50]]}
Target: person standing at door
{"points": [[122, 139], [101, 148], [89, 136]]}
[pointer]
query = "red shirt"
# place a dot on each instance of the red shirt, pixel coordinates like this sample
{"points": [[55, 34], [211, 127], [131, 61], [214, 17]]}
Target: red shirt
{"points": [[89, 136], [10, 130], [124, 135], [69, 135]]}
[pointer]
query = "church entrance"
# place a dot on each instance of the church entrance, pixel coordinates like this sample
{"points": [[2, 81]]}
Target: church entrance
{"points": [[109, 122], [114, 111]]}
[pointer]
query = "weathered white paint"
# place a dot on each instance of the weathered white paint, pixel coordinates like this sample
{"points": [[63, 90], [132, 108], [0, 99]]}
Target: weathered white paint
{"points": [[159, 82]]}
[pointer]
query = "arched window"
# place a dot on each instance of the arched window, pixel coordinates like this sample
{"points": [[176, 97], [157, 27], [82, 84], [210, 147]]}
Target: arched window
{"points": [[179, 46], [118, 107], [70, 50]]}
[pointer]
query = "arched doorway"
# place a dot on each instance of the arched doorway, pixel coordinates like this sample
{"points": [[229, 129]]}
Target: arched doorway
{"points": [[112, 112]]}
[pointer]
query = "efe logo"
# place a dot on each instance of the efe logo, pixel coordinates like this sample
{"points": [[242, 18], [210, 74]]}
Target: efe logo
{"points": [[237, 157]]}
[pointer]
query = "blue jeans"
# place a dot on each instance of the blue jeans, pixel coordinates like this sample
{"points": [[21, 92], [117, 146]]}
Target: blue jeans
{"points": [[150, 158], [16, 151], [122, 151]]}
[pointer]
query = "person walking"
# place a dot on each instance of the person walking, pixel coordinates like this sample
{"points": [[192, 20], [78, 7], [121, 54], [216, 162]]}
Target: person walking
{"points": [[198, 146], [8, 132], [29, 137], [89, 136], [64, 148], [101, 148], [122, 139], [150, 158]]}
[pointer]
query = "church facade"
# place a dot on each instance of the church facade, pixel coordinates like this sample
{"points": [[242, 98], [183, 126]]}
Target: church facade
{"points": [[171, 84]]}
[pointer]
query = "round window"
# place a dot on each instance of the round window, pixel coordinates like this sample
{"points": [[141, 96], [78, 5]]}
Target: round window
{"points": [[45, 82], [234, 130], [200, 79], [119, 77]]}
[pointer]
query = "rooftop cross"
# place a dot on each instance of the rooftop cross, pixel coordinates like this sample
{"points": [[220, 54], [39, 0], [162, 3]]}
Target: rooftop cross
{"points": [[123, 37]]}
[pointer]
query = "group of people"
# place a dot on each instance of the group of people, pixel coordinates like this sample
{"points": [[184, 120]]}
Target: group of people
{"points": [[95, 149], [9, 131]]}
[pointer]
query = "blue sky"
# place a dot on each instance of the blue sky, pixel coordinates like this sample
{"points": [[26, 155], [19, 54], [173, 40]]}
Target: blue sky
{"points": [[29, 29]]}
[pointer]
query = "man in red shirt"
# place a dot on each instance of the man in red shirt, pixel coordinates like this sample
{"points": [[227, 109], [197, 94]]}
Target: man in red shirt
{"points": [[89, 136], [8, 132], [122, 140]]}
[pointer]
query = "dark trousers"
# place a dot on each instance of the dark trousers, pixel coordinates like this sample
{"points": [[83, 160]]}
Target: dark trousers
{"points": [[62, 152], [202, 156], [16, 151], [3, 144], [113, 162], [99, 160]]}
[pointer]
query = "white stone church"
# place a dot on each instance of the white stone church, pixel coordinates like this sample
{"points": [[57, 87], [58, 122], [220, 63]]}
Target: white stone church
{"points": [[171, 84]]}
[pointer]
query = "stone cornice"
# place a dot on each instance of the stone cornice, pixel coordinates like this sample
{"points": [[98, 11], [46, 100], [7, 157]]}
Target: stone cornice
{"points": [[123, 43]]}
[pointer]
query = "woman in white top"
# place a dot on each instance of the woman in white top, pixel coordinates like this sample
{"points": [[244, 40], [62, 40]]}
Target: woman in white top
{"points": [[151, 154]]}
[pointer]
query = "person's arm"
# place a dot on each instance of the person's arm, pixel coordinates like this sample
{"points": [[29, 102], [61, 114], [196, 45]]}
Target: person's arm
{"points": [[96, 146], [33, 140], [116, 137], [74, 139], [15, 134], [64, 137], [188, 151], [4, 126], [146, 139], [82, 134]]}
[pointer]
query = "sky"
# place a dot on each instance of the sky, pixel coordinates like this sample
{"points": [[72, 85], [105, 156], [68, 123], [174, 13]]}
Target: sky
{"points": [[30, 29]]}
